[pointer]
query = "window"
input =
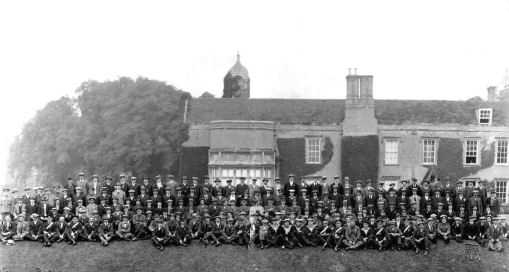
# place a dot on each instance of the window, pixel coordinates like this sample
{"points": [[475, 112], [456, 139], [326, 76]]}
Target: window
{"points": [[472, 152], [213, 157], [268, 173], [228, 156], [391, 151], [227, 174], [485, 116], [501, 152], [268, 158], [501, 190], [256, 157], [214, 173], [429, 152], [313, 150], [243, 157]]}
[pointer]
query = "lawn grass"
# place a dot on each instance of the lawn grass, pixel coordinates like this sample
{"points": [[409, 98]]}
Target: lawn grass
{"points": [[142, 256]]}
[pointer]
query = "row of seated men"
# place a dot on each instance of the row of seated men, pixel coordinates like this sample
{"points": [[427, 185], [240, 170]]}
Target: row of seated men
{"points": [[260, 227]]}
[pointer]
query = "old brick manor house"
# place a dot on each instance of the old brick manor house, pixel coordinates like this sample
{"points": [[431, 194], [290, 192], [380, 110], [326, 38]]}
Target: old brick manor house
{"points": [[359, 137]]}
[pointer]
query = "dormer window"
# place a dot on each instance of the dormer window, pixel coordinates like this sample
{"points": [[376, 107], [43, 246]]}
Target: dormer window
{"points": [[485, 116]]}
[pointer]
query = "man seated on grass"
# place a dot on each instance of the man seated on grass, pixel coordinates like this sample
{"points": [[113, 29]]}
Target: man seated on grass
{"points": [[160, 235], [21, 228], [124, 229], [495, 236], [421, 238], [444, 229], [7, 230], [89, 232], [35, 229], [74, 229], [48, 232], [106, 231]]}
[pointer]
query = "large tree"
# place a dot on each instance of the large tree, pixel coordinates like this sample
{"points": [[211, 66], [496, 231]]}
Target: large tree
{"points": [[116, 126]]}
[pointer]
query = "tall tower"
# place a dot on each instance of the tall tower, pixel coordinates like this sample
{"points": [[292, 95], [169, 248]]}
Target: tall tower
{"points": [[359, 107], [236, 81]]}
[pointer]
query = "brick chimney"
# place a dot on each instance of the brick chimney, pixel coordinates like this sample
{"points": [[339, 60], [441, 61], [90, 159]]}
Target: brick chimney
{"points": [[492, 93], [360, 107]]}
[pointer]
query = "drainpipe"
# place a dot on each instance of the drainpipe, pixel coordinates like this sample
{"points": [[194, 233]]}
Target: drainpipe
{"points": [[413, 152], [185, 110]]}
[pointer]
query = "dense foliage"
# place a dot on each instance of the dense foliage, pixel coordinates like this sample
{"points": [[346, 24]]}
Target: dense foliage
{"points": [[109, 127], [359, 157], [235, 86], [292, 157], [450, 160]]}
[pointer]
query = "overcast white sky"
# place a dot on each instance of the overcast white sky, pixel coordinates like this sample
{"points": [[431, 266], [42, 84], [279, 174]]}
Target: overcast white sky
{"points": [[415, 49]]}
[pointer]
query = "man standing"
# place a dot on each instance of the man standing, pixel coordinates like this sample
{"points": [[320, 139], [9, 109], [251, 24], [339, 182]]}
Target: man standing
{"points": [[290, 185], [119, 194], [415, 185], [336, 183], [134, 186], [241, 188], [5, 203], [94, 184], [71, 188], [81, 182], [159, 188]]}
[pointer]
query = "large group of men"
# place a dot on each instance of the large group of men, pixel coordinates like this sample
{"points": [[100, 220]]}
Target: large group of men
{"points": [[333, 214]]}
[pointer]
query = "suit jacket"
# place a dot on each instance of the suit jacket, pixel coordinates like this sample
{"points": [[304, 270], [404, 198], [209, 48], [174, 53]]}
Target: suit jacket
{"points": [[71, 188], [418, 233], [35, 228], [96, 186], [44, 212], [288, 186]]}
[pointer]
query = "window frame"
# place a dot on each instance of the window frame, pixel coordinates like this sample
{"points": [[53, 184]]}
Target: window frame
{"points": [[435, 151], [307, 151], [387, 140], [502, 196], [497, 142], [490, 118], [466, 151]]}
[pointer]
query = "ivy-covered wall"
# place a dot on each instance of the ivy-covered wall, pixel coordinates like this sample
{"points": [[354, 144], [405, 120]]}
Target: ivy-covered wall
{"points": [[450, 160], [292, 157], [359, 157], [195, 162]]}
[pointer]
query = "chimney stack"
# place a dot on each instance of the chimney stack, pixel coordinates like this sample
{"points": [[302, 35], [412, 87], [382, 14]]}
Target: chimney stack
{"points": [[492, 93]]}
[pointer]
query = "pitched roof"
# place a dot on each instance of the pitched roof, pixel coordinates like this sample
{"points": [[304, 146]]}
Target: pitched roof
{"points": [[332, 111]]}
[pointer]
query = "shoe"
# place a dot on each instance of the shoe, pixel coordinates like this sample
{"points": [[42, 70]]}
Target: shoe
{"points": [[217, 244], [161, 248], [380, 249], [282, 247], [491, 249], [134, 239], [426, 253], [336, 248], [365, 248], [324, 246], [416, 251], [261, 247]]}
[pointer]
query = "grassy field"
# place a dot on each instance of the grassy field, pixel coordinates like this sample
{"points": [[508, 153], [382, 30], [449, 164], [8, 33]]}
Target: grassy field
{"points": [[142, 256]]}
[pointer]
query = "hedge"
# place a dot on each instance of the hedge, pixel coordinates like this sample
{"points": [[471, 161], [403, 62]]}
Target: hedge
{"points": [[359, 157], [292, 157]]}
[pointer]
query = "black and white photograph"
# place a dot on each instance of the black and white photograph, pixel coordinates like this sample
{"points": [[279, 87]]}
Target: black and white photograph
{"points": [[262, 136]]}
